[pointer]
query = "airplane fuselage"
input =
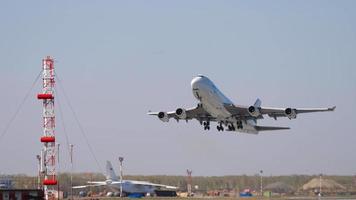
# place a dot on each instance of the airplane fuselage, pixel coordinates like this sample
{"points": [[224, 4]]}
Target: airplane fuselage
{"points": [[214, 101], [209, 95], [129, 188]]}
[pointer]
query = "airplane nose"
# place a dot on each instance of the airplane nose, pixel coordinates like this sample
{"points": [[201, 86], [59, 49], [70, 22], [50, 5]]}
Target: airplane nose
{"points": [[195, 82]]}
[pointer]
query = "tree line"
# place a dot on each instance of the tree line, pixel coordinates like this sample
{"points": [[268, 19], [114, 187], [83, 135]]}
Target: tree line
{"points": [[201, 183]]}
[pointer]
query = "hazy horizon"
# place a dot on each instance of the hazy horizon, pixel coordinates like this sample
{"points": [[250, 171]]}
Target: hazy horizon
{"points": [[184, 174], [119, 59]]}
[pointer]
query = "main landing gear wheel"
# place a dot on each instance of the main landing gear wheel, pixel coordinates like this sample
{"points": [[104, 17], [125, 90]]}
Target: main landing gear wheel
{"points": [[231, 127], [220, 127], [239, 125], [206, 125]]}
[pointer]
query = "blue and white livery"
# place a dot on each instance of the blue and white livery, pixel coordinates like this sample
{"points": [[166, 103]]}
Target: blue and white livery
{"points": [[128, 186]]}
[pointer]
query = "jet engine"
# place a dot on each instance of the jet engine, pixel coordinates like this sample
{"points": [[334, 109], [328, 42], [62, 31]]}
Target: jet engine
{"points": [[254, 111], [163, 116], [180, 112], [290, 113]]}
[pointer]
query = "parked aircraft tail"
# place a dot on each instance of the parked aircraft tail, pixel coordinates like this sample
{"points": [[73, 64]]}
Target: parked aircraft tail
{"points": [[110, 173]]}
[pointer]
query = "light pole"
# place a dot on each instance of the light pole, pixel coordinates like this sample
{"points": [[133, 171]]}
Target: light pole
{"points": [[39, 172], [121, 159], [71, 171], [320, 185], [189, 182], [58, 171], [261, 173]]}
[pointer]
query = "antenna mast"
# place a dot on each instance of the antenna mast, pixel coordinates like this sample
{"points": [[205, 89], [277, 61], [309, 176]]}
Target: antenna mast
{"points": [[48, 165]]}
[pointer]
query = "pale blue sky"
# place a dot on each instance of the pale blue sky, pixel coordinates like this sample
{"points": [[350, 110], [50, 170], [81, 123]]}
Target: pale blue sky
{"points": [[119, 59]]}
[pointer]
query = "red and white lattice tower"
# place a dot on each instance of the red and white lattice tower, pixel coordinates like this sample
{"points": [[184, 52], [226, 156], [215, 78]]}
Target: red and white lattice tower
{"points": [[48, 139]]}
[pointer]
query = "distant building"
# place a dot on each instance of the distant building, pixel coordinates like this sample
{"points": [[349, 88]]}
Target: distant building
{"points": [[21, 194], [5, 182]]}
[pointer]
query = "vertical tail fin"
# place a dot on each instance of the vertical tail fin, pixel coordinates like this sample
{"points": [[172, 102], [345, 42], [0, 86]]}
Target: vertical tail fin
{"points": [[110, 173], [258, 103]]}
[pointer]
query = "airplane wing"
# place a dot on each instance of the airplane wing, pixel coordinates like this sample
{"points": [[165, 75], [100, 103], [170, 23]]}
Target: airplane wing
{"points": [[103, 183], [153, 184], [97, 184], [93, 184], [291, 113], [184, 114]]}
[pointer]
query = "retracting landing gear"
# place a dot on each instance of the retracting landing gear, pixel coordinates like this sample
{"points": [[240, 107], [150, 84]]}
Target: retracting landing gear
{"points": [[206, 125], [239, 125], [220, 127], [231, 127]]}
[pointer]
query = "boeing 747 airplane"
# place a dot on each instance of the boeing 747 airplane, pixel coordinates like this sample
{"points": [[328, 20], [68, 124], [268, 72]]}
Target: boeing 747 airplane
{"points": [[214, 106]]}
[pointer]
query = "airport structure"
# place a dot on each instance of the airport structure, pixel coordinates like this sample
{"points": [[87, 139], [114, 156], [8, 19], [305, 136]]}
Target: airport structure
{"points": [[48, 152], [5, 182], [21, 194]]}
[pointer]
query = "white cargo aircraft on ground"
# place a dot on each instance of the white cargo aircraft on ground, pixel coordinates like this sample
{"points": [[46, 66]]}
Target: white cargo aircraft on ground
{"points": [[215, 106], [128, 186]]}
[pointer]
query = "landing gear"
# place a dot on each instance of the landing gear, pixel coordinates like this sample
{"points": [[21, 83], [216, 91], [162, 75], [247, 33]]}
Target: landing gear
{"points": [[239, 125], [220, 127], [231, 127], [206, 125]]}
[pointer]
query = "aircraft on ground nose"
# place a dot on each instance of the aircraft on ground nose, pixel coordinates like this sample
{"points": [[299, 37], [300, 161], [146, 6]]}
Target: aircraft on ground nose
{"points": [[214, 106], [128, 186]]}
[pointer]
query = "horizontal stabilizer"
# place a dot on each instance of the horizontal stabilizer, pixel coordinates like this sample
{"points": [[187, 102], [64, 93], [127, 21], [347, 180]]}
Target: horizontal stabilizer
{"points": [[270, 128], [152, 113]]}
